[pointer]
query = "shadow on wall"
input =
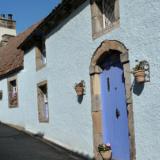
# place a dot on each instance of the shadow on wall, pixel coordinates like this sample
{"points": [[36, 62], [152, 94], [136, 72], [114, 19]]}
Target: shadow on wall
{"points": [[80, 99], [137, 88]]}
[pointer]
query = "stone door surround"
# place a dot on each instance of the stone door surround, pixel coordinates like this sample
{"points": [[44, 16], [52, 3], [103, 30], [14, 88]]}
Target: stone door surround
{"points": [[95, 71]]}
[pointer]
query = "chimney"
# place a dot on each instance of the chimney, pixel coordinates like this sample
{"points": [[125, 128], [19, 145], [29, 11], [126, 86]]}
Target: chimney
{"points": [[7, 21], [7, 28], [5, 39]]}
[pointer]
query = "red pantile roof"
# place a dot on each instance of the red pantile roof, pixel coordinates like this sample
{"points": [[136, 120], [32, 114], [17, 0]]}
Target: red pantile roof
{"points": [[11, 58]]}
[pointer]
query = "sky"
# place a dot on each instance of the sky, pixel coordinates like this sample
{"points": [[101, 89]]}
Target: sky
{"points": [[27, 12]]}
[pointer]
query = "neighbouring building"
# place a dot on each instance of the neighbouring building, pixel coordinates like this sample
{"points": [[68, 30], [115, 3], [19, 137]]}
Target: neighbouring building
{"points": [[99, 46], [7, 28]]}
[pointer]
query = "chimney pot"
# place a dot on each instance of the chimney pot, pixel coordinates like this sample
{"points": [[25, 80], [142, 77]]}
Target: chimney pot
{"points": [[3, 16], [10, 16]]}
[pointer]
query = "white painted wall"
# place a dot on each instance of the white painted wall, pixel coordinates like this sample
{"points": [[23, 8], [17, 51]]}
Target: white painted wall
{"points": [[69, 51], [70, 123], [10, 115], [8, 31]]}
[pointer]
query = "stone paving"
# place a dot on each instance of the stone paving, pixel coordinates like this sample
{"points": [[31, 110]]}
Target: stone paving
{"points": [[16, 145]]}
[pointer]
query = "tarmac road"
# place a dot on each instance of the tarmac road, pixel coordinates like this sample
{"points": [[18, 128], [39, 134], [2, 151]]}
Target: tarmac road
{"points": [[16, 145]]}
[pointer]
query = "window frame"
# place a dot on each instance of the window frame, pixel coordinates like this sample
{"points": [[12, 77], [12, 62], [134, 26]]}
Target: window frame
{"points": [[9, 80], [40, 48], [41, 113], [98, 19]]}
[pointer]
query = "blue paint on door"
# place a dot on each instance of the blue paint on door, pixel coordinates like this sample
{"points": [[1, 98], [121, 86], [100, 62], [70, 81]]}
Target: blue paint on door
{"points": [[114, 111]]}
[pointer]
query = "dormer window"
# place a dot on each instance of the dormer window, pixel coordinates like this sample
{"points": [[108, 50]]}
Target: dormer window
{"points": [[40, 55], [105, 16]]}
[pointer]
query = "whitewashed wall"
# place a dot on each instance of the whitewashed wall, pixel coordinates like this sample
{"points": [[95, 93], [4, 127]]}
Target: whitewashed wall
{"points": [[9, 115], [69, 51], [9, 31]]}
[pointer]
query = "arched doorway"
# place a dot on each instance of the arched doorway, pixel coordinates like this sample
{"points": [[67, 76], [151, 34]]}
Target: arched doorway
{"points": [[112, 110]]}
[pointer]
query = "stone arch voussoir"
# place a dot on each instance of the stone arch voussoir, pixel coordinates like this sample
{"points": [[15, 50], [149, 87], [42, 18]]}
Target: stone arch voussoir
{"points": [[106, 46]]}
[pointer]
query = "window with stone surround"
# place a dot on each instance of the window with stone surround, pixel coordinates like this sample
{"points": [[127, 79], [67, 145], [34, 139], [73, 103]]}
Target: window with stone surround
{"points": [[105, 16], [42, 97], [12, 92], [40, 54]]}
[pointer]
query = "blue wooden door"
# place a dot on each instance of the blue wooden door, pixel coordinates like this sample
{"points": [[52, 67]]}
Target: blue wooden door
{"points": [[114, 110]]}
